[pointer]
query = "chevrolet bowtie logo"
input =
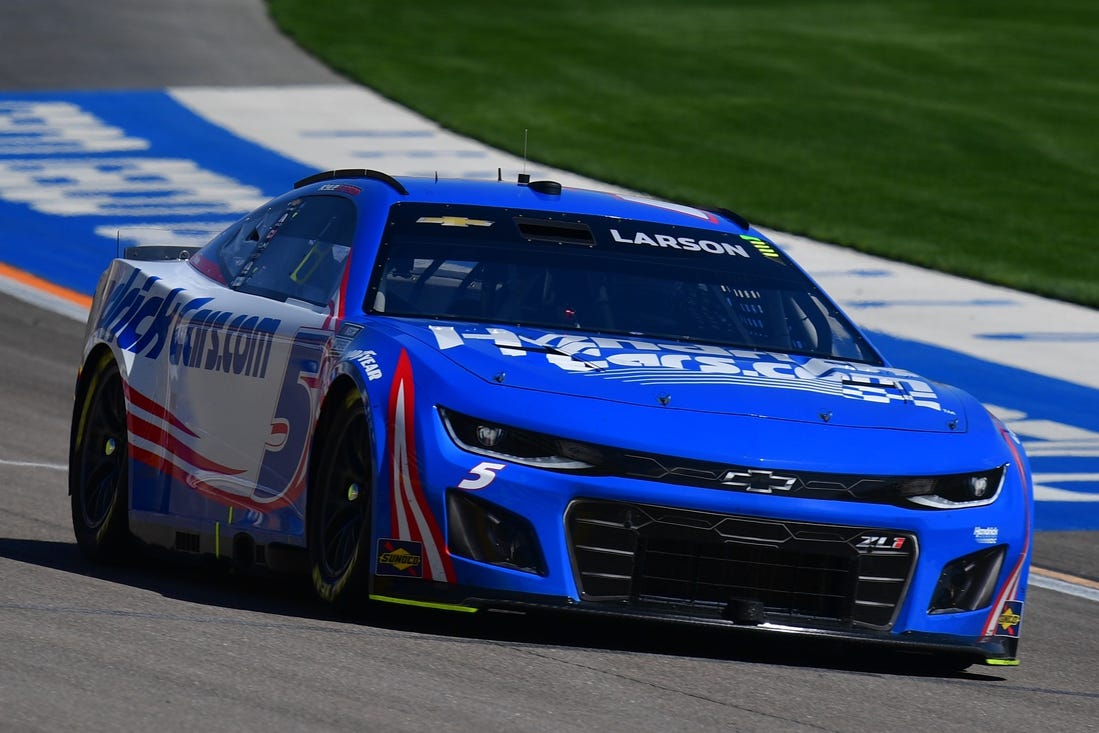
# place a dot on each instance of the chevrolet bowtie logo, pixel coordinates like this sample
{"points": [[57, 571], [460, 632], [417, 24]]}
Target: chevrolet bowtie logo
{"points": [[454, 221], [759, 482]]}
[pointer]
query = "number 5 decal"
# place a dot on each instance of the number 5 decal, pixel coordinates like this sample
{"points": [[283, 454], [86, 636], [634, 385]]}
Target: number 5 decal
{"points": [[485, 473], [282, 469]]}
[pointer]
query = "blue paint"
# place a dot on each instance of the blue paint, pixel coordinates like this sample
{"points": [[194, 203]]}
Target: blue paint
{"points": [[1065, 516]]}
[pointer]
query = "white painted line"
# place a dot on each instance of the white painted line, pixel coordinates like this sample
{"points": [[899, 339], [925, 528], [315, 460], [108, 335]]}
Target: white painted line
{"points": [[1065, 477], [344, 126], [32, 464], [1051, 493], [1062, 586], [42, 299]]}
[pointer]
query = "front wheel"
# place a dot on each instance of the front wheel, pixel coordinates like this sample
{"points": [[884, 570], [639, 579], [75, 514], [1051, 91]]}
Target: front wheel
{"points": [[340, 497], [99, 473]]}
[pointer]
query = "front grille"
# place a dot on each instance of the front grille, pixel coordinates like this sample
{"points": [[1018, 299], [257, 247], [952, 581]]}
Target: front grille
{"points": [[701, 562]]}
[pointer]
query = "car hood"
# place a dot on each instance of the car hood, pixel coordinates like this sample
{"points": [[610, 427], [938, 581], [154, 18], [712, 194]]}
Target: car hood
{"points": [[696, 377]]}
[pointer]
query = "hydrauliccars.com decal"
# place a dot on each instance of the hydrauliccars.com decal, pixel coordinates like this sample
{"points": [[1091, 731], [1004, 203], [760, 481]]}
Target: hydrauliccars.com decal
{"points": [[649, 363]]}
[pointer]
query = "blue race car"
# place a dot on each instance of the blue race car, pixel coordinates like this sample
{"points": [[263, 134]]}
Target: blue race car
{"points": [[486, 395]]}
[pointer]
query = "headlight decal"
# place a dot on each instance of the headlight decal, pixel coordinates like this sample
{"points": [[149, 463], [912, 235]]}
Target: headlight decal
{"points": [[527, 447], [957, 491]]}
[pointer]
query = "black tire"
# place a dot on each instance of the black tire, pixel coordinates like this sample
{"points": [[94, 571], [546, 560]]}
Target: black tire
{"points": [[340, 499], [99, 466]]}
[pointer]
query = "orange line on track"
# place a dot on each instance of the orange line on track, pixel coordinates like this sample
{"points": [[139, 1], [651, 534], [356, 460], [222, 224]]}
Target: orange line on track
{"points": [[1074, 579], [32, 281]]}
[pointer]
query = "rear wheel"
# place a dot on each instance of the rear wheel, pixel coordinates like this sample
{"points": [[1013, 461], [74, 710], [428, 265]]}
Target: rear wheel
{"points": [[340, 498], [99, 472]]}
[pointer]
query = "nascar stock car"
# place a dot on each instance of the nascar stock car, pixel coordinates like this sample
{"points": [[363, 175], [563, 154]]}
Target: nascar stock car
{"points": [[473, 395]]}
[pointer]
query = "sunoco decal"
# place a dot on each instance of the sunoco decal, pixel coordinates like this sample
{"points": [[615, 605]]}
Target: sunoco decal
{"points": [[1011, 616], [399, 557]]}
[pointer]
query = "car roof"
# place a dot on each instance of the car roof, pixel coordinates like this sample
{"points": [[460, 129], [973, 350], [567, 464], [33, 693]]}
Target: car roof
{"points": [[536, 195]]}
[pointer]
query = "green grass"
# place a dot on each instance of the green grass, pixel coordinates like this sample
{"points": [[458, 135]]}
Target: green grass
{"points": [[962, 136]]}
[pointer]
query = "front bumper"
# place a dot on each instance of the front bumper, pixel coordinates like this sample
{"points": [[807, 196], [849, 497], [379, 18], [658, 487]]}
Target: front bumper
{"points": [[751, 563], [992, 650], [868, 583]]}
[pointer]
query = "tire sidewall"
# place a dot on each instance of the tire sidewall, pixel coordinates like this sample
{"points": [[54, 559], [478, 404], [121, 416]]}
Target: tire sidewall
{"points": [[107, 540], [350, 587]]}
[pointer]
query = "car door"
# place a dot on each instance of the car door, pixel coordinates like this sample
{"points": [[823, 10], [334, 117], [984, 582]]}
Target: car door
{"points": [[244, 380]]}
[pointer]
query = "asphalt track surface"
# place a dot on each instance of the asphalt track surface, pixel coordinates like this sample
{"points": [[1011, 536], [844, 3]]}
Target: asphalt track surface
{"points": [[181, 648]]}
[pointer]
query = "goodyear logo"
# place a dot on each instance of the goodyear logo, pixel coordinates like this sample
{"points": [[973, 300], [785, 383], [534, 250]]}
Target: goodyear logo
{"points": [[401, 558], [1010, 617]]}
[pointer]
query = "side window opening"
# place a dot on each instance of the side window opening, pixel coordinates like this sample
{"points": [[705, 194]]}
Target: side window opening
{"points": [[296, 249]]}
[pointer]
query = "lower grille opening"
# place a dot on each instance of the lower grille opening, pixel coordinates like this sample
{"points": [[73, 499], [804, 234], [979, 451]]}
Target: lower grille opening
{"points": [[785, 581], [701, 563]]}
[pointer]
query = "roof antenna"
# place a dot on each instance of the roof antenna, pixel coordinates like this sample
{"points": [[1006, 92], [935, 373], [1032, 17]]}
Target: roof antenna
{"points": [[499, 174], [436, 176], [524, 177], [117, 243]]}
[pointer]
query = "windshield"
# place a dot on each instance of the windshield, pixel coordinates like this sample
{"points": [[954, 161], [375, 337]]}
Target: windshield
{"points": [[604, 274]]}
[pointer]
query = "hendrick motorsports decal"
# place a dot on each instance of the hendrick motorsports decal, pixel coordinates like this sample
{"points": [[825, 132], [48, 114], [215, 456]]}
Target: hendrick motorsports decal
{"points": [[650, 363], [986, 535]]}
